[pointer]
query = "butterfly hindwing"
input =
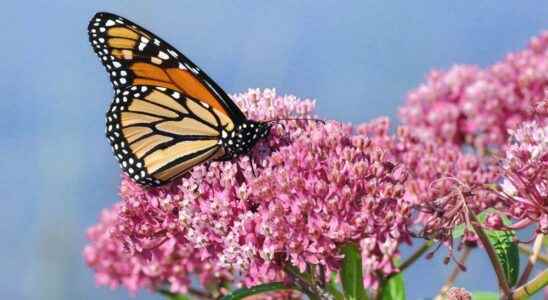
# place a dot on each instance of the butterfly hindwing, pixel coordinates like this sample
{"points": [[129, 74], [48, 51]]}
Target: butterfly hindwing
{"points": [[158, 133], [134, 56]]}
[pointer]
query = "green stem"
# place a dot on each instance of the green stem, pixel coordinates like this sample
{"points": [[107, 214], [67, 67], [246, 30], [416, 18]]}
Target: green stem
{"points": [[533, 286], [309, 288], [258, 289], [541, 258], [191, 291], [503, 284], [537, 246], [415, 256]]}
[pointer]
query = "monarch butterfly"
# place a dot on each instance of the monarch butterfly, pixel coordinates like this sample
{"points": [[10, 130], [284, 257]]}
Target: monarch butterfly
{"points": [[167, 115]]}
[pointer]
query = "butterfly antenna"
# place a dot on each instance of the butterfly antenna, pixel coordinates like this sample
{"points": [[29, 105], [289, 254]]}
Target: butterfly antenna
{"points": [[296, 119]]}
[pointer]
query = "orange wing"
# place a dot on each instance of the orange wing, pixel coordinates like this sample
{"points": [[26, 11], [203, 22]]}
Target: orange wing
{"points": [[134, 56]]}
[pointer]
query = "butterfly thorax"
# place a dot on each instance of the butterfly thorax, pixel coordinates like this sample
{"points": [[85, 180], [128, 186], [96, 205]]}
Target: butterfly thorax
{"points": [[242, 138]]}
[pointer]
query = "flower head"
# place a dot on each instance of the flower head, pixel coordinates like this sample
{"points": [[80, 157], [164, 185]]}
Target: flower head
{"points": [[469, 105], [524, 187], [317, 188], [444, 185], [114, 265]]}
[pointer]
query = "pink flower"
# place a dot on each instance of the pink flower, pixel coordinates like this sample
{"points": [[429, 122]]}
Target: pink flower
{"points": [[469, 105], [115, 266], [447, 184], [524, 187], [444, 183], [456, 293], [317, 187]]}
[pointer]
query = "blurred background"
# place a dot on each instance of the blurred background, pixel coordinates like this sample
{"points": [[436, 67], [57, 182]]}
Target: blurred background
{"points": [[357, 59]]}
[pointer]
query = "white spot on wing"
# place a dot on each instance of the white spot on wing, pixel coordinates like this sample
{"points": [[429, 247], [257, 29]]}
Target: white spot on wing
{"points": [[163, 55], [173, 53]]}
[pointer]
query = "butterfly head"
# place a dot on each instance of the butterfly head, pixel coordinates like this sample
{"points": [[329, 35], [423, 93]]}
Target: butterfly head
{"points": [[242, 138]]}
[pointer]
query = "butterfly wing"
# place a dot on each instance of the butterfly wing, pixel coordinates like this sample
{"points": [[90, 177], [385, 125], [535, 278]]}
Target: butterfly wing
{"points": [[158, 134], [134, 56], [167, 114]]}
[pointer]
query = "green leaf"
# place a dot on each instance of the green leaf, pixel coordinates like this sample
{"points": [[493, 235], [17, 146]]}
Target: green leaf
{"points": [[177, 297], [258, 289], [171, 296], [333, 289], [394, 288], [351, 273], [485, 296], [507, 252], [458, 231]]}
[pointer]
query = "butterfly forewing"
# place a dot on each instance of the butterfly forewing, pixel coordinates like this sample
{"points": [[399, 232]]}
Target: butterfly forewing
{"points": [[134, 56]]}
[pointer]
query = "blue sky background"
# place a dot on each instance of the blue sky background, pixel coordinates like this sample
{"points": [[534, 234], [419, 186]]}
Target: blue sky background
{"points": [[358, 59]]}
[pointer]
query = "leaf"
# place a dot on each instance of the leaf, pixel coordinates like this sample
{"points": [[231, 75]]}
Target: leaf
{"points": [[333, 289], [485, 296], [258, 289], [507, 252], [394, 288], [458, 231], [177, 297], [351, 273], [171, 296]]}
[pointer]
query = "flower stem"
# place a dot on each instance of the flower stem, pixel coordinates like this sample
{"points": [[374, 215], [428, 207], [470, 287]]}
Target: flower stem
{"points": [[537, 245], [503, 284], [415, 256], [311, 289], [533, 286], [456, 271], [196, 293], [527, 250]]}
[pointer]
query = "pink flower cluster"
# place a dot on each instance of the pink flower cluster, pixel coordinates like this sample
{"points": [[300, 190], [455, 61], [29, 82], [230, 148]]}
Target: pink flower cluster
{"points": [[172, 262], [469, 105], [525, 182], [444, 183], [317, 187]]}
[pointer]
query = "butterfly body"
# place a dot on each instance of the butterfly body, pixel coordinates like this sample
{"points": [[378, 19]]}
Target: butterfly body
{"points": [[167, 115], [242, 139]]}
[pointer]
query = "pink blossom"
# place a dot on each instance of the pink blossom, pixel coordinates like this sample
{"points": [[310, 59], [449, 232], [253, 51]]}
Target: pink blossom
{"points": [[444, 183], [447, 184], [115, 266], [469, 105], [524, 187], [317, 187], [456, 293]]}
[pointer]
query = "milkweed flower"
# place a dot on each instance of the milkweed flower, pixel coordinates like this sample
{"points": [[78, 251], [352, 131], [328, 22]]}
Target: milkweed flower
{"points": [[317, 187], [444, 183], [447, 184], [115, 266], [474, 106], [524, 187]]}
